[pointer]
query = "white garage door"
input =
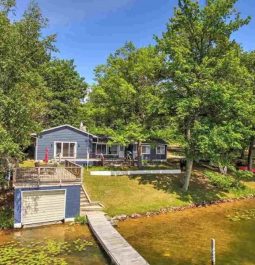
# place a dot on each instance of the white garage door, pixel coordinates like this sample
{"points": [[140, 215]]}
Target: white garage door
{"points": [[43, 206]]}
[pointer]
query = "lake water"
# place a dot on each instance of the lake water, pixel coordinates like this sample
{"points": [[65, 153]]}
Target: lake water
{"points": [[50, 245], [183, 238]]}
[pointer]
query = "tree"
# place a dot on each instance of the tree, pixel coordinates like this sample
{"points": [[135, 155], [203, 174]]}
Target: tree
{"points": [[23, 51], [208, 88], [67, 89], [126, 101], [248, 59]]}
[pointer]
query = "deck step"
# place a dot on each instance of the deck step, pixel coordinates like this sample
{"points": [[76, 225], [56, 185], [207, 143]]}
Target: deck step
{"points": [[91, 208], [86, 205]]}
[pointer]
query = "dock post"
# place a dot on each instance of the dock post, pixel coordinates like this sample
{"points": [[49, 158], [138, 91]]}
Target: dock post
{"points": [[213, 259]]}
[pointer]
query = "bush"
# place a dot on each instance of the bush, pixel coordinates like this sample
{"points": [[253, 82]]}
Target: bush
{"points": [[244, 175], [221, 181], [6, 218], [81, 220]]}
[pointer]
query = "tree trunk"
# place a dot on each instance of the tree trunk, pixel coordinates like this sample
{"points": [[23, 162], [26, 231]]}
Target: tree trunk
{"points": [[139, 154], [250, 153], [189, 166]]}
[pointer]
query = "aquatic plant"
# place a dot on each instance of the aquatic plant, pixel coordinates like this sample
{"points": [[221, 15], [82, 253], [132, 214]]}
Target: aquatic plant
{"points": [[241, 215], [81, 220], [48, 252]]}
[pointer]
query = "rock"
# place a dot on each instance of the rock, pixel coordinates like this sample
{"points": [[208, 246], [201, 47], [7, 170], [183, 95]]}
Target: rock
{"points": [[121, 217], [135, 215], [114, 222]]}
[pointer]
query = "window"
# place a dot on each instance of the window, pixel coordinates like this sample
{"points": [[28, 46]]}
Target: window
{"points": [[101, 149], [146, 149], [65, 149], [160, 150], [107, 149], [113, 150]]}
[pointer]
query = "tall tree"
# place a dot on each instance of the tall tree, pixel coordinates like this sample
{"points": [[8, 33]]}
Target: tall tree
{"points": [[126, 100], [23, 51], [67, 89], [248, 58], [208, 89]]}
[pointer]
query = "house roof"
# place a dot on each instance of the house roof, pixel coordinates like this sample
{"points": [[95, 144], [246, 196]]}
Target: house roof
{"points": [[69, 126]]}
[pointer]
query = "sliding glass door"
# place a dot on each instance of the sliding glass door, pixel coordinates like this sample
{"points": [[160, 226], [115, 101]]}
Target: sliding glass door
{"points": [[65, 149]]}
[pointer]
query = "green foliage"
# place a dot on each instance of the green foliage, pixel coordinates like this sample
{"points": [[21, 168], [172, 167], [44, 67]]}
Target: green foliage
{"points": [[244, 175], [49, 252], [224, 182], [36, 91], [6, 218], [126, 101], [67, 89], [81, 220], [208, 89]]}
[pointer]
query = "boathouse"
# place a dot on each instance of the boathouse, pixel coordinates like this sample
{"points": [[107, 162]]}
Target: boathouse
{"points": [[46, 194]]}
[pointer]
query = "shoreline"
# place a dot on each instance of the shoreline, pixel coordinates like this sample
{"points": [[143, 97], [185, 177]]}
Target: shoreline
{"points": [[123, 217]]}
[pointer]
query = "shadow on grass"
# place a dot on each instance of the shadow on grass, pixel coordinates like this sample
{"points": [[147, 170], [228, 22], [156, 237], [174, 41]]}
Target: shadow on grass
{"points": [[199, 190]]}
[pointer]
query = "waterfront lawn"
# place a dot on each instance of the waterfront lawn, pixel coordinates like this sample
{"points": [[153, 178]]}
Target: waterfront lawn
{"points": [[140, 194]]}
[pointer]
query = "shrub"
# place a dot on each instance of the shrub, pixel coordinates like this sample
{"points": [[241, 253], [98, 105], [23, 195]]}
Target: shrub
{"points": [[244, 174], [6, 218], [81, 220], [222, 181]]}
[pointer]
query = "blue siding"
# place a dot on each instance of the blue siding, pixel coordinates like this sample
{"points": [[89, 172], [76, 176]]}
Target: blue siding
{"points": [[47, 139], [72, 200], [153, 155]]}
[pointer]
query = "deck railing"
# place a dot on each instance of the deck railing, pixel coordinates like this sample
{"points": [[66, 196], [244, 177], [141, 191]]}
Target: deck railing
{"points": [[48, 175], [73, 168]]}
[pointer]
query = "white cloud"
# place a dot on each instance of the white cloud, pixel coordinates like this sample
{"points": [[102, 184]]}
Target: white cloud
{"points": [[64, 12]]}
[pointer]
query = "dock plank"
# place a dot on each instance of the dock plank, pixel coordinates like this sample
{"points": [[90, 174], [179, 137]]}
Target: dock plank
{"points": [[118, 249]]}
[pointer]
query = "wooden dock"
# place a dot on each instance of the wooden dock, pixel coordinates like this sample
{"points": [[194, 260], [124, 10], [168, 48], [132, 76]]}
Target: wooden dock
{"points": [[117, 248]]}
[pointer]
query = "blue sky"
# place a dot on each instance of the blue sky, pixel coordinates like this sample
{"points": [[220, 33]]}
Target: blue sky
{"points": [[89, 30]]}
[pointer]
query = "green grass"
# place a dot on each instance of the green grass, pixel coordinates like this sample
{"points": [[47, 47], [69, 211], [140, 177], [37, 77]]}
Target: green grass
{"points": [[139, 194]]}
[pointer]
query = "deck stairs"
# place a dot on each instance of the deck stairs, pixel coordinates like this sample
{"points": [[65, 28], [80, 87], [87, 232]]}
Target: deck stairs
{"points": [[86, 205]]}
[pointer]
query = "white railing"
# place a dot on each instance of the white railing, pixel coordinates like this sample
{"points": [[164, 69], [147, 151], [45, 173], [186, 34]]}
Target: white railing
{"points": [[49, 175]]}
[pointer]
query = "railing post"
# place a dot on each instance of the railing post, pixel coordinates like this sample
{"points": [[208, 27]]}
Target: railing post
{"points": [[38, 176]]}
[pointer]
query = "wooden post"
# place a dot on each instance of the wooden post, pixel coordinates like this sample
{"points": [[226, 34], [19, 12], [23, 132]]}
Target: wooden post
{"points": [[39, 172], [213, 259]]}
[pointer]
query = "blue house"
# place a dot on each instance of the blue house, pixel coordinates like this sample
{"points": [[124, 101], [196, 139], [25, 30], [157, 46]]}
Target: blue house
{"points": [[67, 142]]}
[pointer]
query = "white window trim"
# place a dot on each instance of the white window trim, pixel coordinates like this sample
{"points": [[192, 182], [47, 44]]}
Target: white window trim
{"points": [[147, 153], [62, 142], [161, 146]]}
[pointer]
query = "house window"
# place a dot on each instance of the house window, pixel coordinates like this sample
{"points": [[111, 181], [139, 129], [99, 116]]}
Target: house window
{"points": [[65, 149], [146, 149], [113, 150], [160, 150], [101, 149]]}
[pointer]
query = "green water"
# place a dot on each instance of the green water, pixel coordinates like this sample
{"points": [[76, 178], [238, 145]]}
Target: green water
{"points": [[183, 238], [50, 245]]}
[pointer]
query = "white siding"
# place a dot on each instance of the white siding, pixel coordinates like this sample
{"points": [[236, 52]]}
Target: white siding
{"points": [[43, 206]]}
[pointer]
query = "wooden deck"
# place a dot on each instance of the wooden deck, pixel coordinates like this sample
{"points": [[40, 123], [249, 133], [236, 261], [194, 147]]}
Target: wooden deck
{"points": [[70, 173], [118, 249]]}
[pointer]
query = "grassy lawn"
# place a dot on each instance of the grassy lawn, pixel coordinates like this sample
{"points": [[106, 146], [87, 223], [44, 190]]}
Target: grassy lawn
{"points": [[139, 194]]}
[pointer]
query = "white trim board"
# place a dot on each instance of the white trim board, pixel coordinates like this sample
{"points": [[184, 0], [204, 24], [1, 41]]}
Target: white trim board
{"points": [[135, 172]]}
